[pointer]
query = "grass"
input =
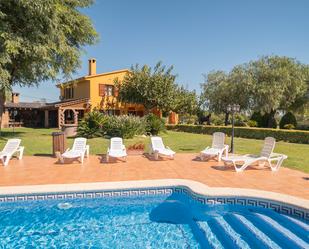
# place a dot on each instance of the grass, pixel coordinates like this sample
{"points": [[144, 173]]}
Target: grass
{"points": [[39, 142]]}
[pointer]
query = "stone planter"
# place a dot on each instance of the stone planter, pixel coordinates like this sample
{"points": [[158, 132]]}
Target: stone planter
{"points": [[70, 130], [135, 152]]}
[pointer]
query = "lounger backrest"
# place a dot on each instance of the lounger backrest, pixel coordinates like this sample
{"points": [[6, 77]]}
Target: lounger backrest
{"points": [[269, 145], [79, 144], [157, 143], [116, 143], [218, 140], [11, 146]]}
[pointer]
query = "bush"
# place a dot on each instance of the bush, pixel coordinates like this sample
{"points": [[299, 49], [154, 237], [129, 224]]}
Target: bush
{"points": [[293, 136], [263, 120], [252, 123], [240, 120], [188, 119], [91, 125], [287, 119], [217, 119], [124, 126], [257, 117], [154, 124], [289, 127]]}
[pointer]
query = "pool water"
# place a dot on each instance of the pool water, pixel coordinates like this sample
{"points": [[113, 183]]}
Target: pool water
{"points": [[162, 221]]}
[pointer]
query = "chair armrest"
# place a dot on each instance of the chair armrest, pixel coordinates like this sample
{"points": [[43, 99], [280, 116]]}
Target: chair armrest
{"points": [[275, 156]]}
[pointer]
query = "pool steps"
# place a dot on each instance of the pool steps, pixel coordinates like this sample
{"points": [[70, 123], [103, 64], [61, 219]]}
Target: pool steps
{"points": [[255, 230]]}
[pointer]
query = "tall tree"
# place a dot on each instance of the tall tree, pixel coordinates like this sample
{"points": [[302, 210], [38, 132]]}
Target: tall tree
{"points": [[151, 87], [279, 82], [221, 89], [40, 40]]}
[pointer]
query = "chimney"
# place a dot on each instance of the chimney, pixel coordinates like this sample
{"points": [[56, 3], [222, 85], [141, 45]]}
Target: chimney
{"points": [[92, 66], [15, 98]]}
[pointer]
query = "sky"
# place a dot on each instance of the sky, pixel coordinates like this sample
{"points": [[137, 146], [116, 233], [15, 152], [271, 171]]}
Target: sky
{"points": [[195, 36]]}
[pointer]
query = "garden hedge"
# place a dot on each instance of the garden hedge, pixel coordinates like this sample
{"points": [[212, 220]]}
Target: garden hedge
{"points": [[292, 136]]}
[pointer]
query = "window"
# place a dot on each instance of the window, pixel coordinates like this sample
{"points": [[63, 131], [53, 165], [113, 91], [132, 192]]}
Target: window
{"points": [[106, 90], [69, 93], [109, 90]]}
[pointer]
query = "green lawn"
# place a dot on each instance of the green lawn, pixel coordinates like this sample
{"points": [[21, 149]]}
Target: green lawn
{"points": [[39, 142]]}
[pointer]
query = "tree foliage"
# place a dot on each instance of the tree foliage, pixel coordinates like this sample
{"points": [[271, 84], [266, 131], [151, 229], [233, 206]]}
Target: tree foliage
{"points": [[42, 39], [277, 82], [186, 101], [266, 85], [152, 87]]}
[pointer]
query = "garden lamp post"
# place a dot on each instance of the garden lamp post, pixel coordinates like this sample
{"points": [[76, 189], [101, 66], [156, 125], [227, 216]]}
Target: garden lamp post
{"points": [[233, 109]]}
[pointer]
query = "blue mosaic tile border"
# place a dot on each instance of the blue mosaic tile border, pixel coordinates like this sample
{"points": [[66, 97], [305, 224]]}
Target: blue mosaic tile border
{"points": [[279, 207]]}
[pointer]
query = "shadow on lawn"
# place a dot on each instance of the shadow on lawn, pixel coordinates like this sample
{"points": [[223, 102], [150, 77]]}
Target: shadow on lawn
{"points": [[10, 134]]}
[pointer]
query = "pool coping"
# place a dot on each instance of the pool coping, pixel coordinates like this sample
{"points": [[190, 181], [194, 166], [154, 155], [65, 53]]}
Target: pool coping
{"points": [[196, 187]]}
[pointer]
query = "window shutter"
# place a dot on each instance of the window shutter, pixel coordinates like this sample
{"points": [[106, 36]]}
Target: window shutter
{"points": [[102, 90]]}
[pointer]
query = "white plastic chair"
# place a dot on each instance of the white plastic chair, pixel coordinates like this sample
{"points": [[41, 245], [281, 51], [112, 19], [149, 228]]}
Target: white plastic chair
{"points": [[79, 150], [116, 149], [266, 156], [217, 148], [12, 147], [158, 148]]}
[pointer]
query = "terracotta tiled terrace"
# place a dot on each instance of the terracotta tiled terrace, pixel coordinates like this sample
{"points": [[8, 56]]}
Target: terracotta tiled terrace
{"points": [[44, 170]]}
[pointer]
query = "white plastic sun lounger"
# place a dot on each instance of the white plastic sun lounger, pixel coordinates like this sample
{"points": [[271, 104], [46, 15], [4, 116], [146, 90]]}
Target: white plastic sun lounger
{"points": [[116, 149], [79, 150], [217, 148], [12, 147], [267, 156], [158, 148]]}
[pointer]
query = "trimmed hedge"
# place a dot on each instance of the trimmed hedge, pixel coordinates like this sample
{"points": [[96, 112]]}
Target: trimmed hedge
{"points": [[292, 136]]}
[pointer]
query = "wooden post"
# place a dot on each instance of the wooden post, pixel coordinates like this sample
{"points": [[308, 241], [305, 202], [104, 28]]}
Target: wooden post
{"points": [[46, 119]]}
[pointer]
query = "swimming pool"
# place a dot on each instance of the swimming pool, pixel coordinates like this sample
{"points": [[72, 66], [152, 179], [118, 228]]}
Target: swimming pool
{"points": [[158, 218]]}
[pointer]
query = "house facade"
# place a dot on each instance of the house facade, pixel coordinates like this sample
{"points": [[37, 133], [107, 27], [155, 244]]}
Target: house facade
{"points": [[77, 97]]}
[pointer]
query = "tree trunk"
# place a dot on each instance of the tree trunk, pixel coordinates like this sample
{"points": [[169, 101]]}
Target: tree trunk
{"points": [[226, 120], [271, 119]]}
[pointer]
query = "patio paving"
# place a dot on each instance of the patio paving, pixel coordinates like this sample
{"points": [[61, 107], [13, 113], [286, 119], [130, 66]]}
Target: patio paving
{"points": [[33, 170]]}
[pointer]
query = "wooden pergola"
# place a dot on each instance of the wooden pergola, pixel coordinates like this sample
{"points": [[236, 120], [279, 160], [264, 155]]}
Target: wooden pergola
{"points": [[75, 106]]}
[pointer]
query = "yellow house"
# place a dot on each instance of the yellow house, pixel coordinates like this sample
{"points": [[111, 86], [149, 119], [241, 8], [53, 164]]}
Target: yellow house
{"points": [[94, 91]]}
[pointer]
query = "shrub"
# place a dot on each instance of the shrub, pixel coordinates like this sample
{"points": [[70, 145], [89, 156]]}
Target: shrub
{"points": [[293, 136], [257, 117], [124, 126], [91, 125], [217, 119], [240, 120], [263, 120], [289, 127], [188, 119], [286, 119], [154, 124], [252, 123]]}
